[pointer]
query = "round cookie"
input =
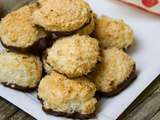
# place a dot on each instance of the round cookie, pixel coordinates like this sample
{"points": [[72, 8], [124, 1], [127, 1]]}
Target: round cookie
{"points": [[62, 16], [18, 71], [114, 73], [19, 33], [62, 96], [113, 33], [73, 56]]}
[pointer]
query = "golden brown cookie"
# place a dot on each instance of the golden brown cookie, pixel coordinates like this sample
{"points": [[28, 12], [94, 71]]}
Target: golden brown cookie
{"points": [[62, 16], [113, 33], [19, 33], [18, 71], [62, 96], [73, 56], [114, 73]]}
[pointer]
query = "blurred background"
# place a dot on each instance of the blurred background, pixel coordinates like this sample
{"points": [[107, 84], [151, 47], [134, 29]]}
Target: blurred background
{"points": [[8, 5]]}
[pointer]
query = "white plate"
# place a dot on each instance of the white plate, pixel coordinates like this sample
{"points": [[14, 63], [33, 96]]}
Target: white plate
{"points": [[145, 51]]}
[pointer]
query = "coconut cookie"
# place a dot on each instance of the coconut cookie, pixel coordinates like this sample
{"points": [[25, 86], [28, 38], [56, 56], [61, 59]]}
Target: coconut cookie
{"points": [[113, 33], [73, 56], [18, 33], [63, 17], [114, 73], [22, 72], [62, 96]]}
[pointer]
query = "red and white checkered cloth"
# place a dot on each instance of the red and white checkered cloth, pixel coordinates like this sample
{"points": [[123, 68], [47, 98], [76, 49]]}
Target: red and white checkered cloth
{"points": [[152, 6]]}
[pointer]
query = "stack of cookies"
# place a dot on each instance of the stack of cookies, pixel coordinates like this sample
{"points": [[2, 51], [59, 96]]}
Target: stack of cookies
{"points": [[61, 48]]}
